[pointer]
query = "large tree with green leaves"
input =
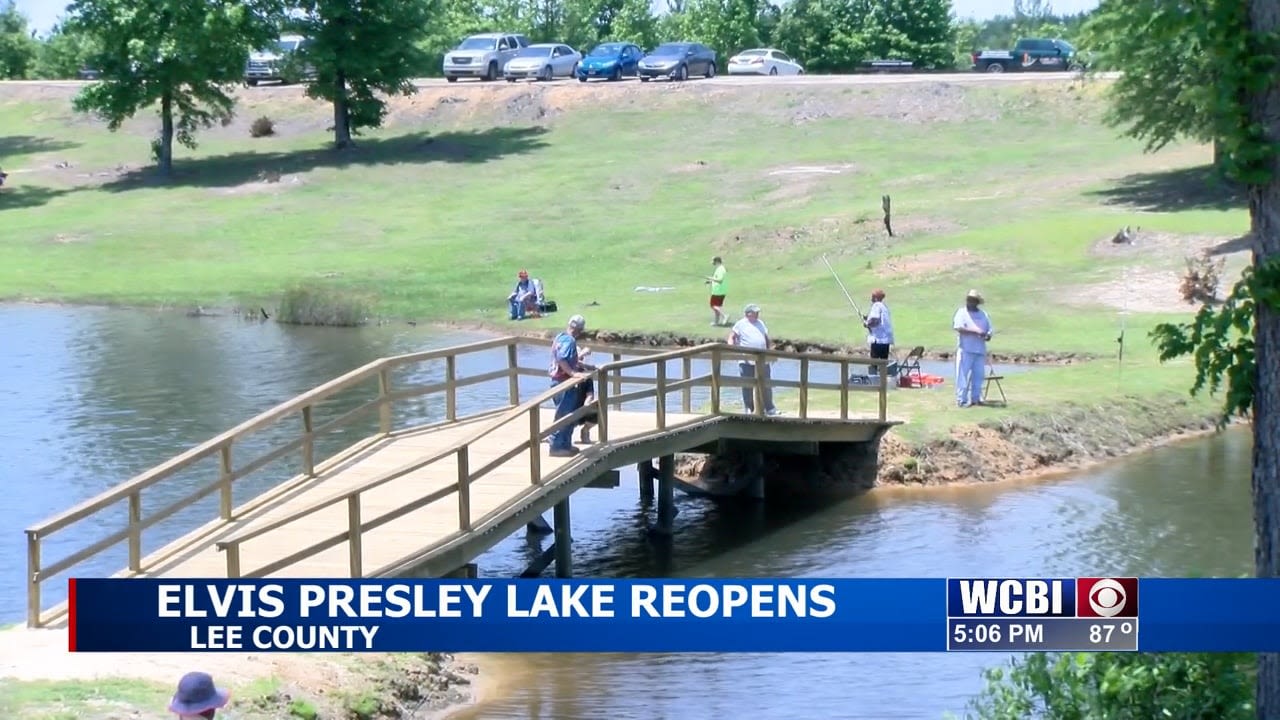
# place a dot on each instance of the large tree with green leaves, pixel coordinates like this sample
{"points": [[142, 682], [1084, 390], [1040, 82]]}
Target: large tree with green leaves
{"points": [[66, 50], [180, 56], [839, 35], [360, 49], [1169, 71], [726, 26], [915, 30], [1235, 99], [17, 48]]}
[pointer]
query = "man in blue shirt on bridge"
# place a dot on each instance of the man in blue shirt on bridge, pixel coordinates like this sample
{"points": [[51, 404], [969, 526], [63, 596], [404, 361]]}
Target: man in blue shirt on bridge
{"points": [[566, 364]]}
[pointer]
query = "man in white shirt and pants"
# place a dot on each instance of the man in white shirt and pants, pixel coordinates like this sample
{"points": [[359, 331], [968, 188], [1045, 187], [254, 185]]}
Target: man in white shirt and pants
{"points": [[751, 332], [973, 327], [879, 329]]}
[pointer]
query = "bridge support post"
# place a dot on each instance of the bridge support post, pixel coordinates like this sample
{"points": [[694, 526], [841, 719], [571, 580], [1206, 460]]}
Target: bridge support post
{"points": [[666, 493], [467, 572], [755, 482], [645, 471], [564, 543], [539, 526]]}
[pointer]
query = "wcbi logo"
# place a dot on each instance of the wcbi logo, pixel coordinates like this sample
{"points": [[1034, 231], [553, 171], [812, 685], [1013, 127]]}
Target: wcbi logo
{"points": [[1034, 597]]}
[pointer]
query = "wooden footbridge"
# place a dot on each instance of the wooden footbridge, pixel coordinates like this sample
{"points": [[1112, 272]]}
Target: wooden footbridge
{"points": [[425, 499]]}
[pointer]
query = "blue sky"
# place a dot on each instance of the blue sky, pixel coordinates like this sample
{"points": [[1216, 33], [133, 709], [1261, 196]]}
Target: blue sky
{"points": [[43, 13]]}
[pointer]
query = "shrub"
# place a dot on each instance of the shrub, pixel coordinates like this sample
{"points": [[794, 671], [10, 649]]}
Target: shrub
{"points": [[315, 305], [262, 127], [1120, 686], [1201, 280]]}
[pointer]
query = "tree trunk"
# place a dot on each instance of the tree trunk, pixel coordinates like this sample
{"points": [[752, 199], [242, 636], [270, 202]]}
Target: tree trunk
{"points": [[1264, 211], [341, 113], [1219, 158], [164, 153]]}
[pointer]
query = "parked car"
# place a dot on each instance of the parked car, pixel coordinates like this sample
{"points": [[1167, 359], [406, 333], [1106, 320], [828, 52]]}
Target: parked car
{"points": [[482, 56], [678, 61], [764, 61], [88, 73], [612, 60], [278, 62], [1030, 54], [544, 61]]}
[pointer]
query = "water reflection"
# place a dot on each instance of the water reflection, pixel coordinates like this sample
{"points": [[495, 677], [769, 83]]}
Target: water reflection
{"points": [[94, 396]]}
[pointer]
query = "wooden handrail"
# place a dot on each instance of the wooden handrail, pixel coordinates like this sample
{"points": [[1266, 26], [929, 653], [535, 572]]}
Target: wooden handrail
{"points": [[609, 378], [221, 446], [386, 477]]}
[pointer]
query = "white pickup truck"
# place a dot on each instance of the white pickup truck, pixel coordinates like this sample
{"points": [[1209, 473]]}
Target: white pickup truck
{"points": [[276, 62], [482, 56]]}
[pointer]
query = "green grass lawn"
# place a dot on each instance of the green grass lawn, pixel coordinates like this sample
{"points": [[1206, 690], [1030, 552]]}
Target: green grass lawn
{"points": [[1011, 190], [77, 700]]}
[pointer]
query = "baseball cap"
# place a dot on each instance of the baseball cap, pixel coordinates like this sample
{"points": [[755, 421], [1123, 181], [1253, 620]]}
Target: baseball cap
{"points": [[577, 321]]}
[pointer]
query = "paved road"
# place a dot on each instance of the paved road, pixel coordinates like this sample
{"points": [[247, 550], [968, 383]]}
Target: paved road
{"points": [[970, 78]]}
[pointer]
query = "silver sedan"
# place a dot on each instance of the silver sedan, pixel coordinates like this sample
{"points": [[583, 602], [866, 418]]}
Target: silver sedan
{"points": [[542, 62]]}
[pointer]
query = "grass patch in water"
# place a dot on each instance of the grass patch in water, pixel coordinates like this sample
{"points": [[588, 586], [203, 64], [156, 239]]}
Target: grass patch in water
{"points": [[318, 305]]}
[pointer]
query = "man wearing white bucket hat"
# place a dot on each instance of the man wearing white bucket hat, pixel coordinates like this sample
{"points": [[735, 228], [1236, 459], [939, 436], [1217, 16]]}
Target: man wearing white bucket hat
{"points": [[973, 327]]}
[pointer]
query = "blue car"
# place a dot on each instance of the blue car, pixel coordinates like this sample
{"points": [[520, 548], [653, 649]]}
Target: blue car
{"points": [[612, 60]]}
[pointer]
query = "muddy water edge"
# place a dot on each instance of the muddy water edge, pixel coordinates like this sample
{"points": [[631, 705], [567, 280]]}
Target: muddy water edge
{"points": [[93, 396]]}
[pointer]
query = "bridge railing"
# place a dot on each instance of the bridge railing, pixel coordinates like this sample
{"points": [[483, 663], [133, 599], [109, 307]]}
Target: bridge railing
{"points": [[218, 459], [457, 457], [648, 368]]}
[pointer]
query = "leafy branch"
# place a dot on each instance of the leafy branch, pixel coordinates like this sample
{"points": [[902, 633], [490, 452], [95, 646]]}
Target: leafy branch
{"points": [[1221, 340]]}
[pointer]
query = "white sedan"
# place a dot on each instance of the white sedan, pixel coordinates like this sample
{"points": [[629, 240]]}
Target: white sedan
{"points": [[763, 61], [546, 61]]}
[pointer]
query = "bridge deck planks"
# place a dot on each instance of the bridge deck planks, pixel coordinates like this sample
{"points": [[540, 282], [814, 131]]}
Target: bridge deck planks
{"points": [[197, 556]]}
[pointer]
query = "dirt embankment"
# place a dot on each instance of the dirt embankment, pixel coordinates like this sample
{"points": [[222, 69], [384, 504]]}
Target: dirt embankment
{"points": [[264, 686], [985, 451], [673, 341]]}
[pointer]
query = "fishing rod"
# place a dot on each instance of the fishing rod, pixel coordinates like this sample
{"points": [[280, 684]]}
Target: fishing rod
{"points": [[843, 288]]}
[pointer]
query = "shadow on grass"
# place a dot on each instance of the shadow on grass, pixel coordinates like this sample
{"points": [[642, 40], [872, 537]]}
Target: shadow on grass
{"points": [[1195, 188], [1244, 243], [12, 145], [27, 196], [234, 169]]}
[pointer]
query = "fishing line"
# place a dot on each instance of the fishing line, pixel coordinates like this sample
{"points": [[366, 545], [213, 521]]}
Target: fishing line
{"points": [[843, 288]]}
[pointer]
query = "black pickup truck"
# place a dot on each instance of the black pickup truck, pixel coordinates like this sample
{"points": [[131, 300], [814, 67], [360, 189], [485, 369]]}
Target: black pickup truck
{"points": [[1028, 55]]}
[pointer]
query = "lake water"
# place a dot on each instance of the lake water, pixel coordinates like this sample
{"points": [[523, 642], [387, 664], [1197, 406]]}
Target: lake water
{"points": [[92, 396]]}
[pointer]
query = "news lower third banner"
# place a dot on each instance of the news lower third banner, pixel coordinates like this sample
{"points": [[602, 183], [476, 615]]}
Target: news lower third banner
{"points": [[675, 615]]}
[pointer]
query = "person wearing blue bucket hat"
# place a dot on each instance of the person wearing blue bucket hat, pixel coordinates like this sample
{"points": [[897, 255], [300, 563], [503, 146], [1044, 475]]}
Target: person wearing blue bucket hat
{"points": [[198, 697]]}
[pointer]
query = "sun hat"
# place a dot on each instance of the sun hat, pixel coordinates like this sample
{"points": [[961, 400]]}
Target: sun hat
{"points": [[877, 294], [975, 295], [196, 694], [579, 322], [751, 308]]}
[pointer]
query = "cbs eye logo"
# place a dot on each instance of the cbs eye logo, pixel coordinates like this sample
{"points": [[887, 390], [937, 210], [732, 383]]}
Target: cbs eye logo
{"points": [[1107, 597]]}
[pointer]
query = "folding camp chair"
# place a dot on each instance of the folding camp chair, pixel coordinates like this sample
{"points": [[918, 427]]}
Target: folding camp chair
{"points": [[911, 364], [992, 377]]}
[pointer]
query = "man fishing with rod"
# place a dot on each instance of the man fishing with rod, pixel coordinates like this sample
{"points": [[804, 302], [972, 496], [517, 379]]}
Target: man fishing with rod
{"points": [[877, 320]]}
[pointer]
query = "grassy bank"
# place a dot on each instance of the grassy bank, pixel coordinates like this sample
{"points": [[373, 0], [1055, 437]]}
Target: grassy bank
{"points": [[46, 684], [603, 190]]}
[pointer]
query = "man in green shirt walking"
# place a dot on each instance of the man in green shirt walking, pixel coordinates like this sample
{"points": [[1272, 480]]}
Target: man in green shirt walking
{"points": [[719, 287]]}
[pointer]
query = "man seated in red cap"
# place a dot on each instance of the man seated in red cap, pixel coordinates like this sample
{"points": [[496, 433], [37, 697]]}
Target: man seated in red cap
{"points": [[198, 698], [523, 297]]}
